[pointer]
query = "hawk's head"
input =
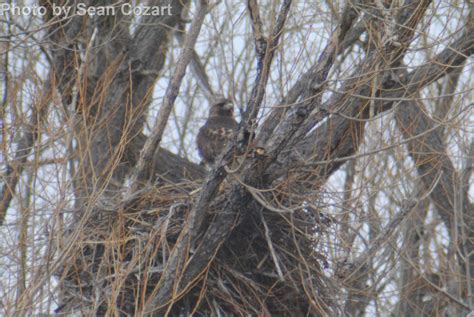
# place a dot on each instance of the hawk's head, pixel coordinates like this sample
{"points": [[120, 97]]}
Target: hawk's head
{"points": [[222, 108]]}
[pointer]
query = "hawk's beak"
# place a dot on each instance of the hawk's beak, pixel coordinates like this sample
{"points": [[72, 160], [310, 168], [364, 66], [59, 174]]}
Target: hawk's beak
{"points": [[229, 106]]}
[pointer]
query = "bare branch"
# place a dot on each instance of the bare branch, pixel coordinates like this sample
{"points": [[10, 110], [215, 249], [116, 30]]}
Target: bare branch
{"points": [[339, 137], [197, 67], [141, 171]]}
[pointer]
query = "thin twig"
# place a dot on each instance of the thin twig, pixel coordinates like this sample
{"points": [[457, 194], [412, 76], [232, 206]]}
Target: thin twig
{"points": [[272, 250], [153, 142]]}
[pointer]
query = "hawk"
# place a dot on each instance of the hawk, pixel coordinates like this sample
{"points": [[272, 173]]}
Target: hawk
{"points": [[217, 131]]}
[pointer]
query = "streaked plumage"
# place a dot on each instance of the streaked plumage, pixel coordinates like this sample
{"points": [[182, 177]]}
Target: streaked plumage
{"points": [[215, 133]]}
